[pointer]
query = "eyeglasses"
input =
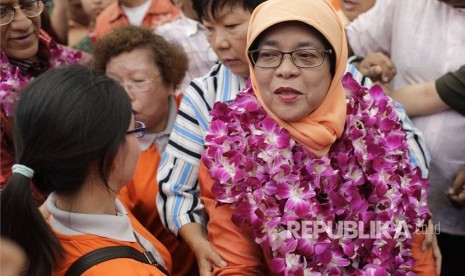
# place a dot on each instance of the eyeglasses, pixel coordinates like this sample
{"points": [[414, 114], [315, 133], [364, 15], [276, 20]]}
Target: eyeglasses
{"points": [[137, 86], [139, 129], [30, 9], [303, 58]]}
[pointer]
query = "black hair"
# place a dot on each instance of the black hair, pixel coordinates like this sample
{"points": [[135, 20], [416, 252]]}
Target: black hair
{"points": [[67, 121], [205, 7]]}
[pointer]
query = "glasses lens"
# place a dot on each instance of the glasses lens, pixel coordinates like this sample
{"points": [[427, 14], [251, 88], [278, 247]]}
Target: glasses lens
{"points": [[6, 15], [140, 129], [308, 58], [32, 8], [268, 58]]}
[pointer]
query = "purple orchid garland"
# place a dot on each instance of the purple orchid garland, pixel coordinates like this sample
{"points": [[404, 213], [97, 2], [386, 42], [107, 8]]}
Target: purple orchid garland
{"points": [[12, 80], [273, 183]]}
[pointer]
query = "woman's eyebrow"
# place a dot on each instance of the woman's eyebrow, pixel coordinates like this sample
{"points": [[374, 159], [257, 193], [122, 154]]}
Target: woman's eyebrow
{"points": [[312, 44]]}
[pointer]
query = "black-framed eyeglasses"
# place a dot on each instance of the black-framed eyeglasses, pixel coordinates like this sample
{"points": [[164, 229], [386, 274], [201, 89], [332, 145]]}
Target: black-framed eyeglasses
{"points": [[139, 129], [303, 58], [29, 8]]}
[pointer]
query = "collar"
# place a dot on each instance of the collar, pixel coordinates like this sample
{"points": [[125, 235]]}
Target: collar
{"points": [[113, 227], [150, 138], [157, 7]]}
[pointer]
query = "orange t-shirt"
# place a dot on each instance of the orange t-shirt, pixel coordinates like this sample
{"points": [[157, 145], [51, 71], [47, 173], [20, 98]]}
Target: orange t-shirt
{"points": [[140, 196], [75, 246], [244, 256], [160, 12]]}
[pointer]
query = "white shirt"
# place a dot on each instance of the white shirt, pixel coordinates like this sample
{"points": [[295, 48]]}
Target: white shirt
{"points": [[136, 14]]}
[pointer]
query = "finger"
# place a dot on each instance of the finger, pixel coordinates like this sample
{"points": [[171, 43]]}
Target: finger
{"points": [[205, 268], [437, 255], [216, 259], [429, 237], [459, 183]]}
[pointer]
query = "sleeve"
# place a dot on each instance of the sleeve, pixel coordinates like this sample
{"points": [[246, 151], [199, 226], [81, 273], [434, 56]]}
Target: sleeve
{"points": [[178, 200], [451, 89], [7, 149], [418, 151], [235, 245], [372, 30]]}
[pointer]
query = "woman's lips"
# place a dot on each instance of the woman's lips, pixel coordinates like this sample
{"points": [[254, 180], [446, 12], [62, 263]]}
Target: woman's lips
{"points": [[23, 40], [287, 94], [231, 62], [349, 5]]}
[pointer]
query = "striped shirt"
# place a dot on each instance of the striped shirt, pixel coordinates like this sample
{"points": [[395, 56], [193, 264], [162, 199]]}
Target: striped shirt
{"points": [[178, 201]]}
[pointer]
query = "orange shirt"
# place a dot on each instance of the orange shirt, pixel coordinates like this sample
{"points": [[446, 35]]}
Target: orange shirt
{"points": [[140, 197], [244, 256], [75, 246], [160, 12]]}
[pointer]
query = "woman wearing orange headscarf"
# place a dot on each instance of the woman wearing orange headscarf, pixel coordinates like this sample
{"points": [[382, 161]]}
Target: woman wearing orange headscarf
{"points": [[304, 179]]}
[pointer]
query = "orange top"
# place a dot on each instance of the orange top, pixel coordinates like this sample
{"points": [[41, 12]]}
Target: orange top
{"points": [[244, 256], [335, 4], [140, 197], [76, 246], [160, 12]]}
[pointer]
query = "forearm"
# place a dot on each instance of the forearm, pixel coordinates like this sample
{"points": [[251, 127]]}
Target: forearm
{"points": [[420, 99], [60, 18], [178, 200]]}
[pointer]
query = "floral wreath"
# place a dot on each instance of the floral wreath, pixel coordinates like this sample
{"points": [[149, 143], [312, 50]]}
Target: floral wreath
{"points": [[12, 79], [275, 185]]}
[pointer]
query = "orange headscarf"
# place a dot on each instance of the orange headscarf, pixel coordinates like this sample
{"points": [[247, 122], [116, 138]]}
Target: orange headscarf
{"points": [[319, 130]]}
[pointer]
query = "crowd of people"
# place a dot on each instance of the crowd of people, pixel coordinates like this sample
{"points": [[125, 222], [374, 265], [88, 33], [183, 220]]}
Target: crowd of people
{"points": [[232, 137]]}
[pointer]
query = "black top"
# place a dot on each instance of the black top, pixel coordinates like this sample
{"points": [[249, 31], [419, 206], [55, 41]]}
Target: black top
{"points": [[451, 89]]}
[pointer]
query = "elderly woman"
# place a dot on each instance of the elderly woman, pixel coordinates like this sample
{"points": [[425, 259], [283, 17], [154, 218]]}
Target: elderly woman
{"points": [[302, 179], [150, 69], [26, 52]]}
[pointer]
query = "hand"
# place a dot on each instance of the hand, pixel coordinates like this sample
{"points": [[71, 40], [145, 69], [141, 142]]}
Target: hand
{"points": [[456, 192], [378, 67], [194, 236], [431, 240], [206, 256]]}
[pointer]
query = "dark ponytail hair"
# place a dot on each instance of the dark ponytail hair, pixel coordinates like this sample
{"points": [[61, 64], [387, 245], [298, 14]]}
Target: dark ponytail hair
{"points": [[67, 121]]}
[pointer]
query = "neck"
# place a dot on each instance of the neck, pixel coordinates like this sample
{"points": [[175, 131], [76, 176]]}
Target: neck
{"points": [[133, 3], [93, 198]]}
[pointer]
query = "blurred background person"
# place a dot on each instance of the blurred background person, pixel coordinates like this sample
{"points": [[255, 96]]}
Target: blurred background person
{"points": [[144, 13], [150, 69], [191, 35], [350, 9]]}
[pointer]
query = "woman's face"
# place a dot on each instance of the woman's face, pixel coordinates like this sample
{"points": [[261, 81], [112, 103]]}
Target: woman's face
{"points": [[20, 38], [353, 8], [94, 7], [227, 34], [150, 105], [291, 92]]}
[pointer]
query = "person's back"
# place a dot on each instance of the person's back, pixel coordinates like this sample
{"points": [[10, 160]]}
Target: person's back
{"points": [[76, 139]]}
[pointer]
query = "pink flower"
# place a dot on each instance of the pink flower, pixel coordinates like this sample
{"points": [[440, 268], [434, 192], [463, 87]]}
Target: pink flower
{"points": [[279, 189]]}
